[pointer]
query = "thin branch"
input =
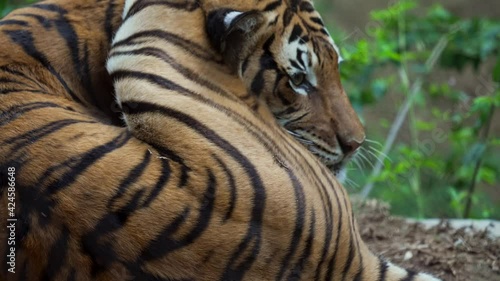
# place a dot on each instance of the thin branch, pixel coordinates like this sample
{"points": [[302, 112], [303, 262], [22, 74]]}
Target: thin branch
{"points": [[482, 139], [403, 113]]}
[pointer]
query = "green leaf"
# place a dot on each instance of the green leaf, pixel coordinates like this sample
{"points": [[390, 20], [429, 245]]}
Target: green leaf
{"points": [[482, 104], [425, 126], [496, 71]]}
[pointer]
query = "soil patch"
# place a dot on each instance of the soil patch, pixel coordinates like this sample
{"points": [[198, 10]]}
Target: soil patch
{"points": [[462, 254]]}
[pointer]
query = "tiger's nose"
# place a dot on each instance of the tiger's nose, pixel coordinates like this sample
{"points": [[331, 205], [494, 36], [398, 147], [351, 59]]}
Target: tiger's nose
{"points": [[349, 147]]}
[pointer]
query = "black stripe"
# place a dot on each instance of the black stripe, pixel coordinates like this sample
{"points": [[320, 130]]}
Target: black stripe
{"points": [[94, 243], [130, 179], [306, 6], [7, 69], [160, 246], [299, 224], [297, 118], [303, 262], [333, 259], [313, 29], [231, 185], [267, 62], [323, 30], [85, 76], [4, 80], [258, 82], [328, 211], [300, 60], [10, 91], [34, 135], [296, 33], [14, 22], [25, 39], [43, 21], [355, 232], [294, 4], [272, 6], [244, 65], [350, 257], [165, 243], [284, 101], [189, 46], [142, 4], [50, 7], [382, 270], [274, 22], [317, 20], [162, 181], [287, 18], [287, 111], [411, 276], [295, 65], [68, 33], [57, 255], [170, 154], [15, 112], [276, 91], [108, 21]]}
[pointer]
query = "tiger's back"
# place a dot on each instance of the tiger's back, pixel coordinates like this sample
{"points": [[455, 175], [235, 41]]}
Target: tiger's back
{"points": [[192, 200]]}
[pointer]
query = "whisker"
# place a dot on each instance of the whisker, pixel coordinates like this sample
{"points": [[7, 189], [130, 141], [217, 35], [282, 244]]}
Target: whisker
{"points": [[350, 182], [356, 161], [380, 153], [376, 157], [294, 134], [357, 157], [366, 158], [300, 138], [374, 142], [304, 141]]}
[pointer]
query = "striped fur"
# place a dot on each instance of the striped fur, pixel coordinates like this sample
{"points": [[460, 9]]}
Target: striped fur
{"points": [[199, 186]]}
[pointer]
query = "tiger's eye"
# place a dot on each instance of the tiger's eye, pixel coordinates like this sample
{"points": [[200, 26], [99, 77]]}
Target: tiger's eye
{"points": [[298, 78]]}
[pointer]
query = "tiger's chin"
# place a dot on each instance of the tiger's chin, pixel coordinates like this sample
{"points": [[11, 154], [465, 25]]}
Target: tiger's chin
{"points": [[338, 170]]}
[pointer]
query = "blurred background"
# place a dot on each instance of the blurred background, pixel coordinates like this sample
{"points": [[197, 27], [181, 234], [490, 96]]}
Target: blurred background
{"points": [[424, 77]]}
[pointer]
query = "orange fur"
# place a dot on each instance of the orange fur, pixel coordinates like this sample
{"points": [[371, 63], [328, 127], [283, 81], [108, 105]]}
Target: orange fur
{"points": [[201, 185]]}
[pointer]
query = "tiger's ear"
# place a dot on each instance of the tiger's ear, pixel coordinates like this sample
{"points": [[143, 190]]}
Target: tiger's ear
{"points": [[234, 34]]}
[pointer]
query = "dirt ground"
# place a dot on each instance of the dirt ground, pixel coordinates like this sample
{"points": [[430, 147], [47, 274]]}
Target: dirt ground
{"points": [[452, 254]]}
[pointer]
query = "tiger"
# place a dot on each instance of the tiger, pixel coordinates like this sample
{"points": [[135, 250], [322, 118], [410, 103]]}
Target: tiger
{"points": [[194, 174]]}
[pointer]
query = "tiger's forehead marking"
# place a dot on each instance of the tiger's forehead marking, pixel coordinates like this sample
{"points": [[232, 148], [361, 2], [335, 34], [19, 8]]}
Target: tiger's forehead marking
{"points": [[299, 57], [307, 6]]}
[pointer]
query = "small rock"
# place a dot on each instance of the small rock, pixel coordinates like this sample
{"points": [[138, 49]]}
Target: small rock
{"points": [[408, 255]]}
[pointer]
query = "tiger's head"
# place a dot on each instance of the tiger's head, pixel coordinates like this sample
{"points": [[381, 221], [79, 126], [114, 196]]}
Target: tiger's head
{"points": [[287, 59]]}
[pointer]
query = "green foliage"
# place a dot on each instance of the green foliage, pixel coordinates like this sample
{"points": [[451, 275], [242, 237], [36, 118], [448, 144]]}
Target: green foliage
{"points": [[449, 152], [6, 6]]}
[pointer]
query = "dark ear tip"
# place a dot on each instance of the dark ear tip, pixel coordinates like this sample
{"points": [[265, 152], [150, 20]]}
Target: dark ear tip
{"points": [[247, 22], [218, 29], [215, 27]]}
